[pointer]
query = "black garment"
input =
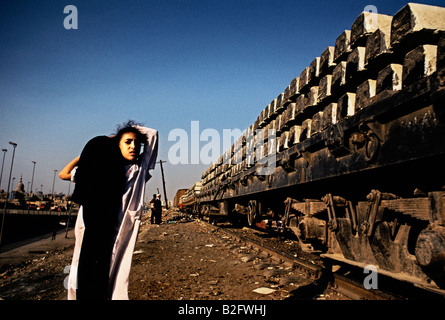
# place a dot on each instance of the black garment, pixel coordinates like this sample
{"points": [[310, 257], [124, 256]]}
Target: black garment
{"points": [[158, 211], [100, 184], [100, 172]]}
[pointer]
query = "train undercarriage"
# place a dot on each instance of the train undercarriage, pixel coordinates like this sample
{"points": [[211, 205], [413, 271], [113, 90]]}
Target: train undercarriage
{"points": [[404, 237]]}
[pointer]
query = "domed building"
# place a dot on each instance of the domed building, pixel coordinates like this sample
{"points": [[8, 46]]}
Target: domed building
{"points": [[19, 192], [20, 187]]}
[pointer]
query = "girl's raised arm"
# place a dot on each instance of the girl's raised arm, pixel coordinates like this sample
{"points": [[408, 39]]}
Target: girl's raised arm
{"points": [[150, 148], [65, 174]]}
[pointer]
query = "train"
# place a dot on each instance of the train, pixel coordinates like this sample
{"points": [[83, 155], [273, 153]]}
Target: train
{"points": [[350, 157], [188, 202]]}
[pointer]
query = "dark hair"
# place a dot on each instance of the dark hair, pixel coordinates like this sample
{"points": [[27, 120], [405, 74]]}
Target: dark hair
{"points": [[129, 127]]}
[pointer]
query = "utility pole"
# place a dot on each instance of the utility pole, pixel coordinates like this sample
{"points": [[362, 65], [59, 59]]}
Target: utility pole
{"points": [[52, 192], [1, 172], [32, 182], [33, 169], [7, 192], [163, 183]]}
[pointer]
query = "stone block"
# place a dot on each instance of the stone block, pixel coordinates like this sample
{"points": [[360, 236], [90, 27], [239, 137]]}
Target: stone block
{"points": [[338, 77], [292, 90], [317, 123], [365, 91], [330, 115], [283, 141], [273, 105], [268, 112], [390, 78], [355, 62], [286, 94], [294, 135], [346, 105], [418, 63], [294, 85], [300, 104], [305, 132], [292, 112], [279, 103], [304, 79], [279, 123], [261, 119], [327, 61], [378, 44], [314, 70], [311, 98], [286, 115], [367, 23], [342, 46], [325, 87], [415, 18]]}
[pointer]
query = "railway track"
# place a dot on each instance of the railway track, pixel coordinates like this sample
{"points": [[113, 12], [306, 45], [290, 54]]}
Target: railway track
{"points": [[315, 274]]}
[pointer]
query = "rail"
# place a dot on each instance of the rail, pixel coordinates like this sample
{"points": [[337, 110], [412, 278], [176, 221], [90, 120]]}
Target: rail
{"points": [[345, 279]]}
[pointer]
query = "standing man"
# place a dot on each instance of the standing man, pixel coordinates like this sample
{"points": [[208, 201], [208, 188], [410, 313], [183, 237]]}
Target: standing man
{"points": [[158, 209], [153, 211]]}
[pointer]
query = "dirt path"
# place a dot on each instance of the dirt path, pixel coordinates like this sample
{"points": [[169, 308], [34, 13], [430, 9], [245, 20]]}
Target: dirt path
{"points": [[172, 261]]}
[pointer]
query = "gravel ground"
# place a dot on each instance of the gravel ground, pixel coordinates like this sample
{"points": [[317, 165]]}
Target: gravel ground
{"points": [[177, 260]]}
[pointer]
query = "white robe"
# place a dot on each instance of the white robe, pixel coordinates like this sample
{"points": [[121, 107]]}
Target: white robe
{"points": [[130, 219]]}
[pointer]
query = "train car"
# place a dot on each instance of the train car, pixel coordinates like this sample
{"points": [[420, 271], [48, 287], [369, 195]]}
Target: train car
{"points": [[350, 157], [178, 196], [188, 202]]}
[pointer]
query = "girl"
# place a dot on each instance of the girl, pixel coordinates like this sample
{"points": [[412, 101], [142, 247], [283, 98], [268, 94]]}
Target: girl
{"points": [[110, 177]]}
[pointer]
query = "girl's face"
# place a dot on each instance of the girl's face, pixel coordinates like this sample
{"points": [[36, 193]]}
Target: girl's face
{"points": [[129, 146]]}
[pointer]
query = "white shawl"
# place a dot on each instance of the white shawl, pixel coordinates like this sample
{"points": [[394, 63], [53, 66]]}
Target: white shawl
{"points": [[130, 217]]}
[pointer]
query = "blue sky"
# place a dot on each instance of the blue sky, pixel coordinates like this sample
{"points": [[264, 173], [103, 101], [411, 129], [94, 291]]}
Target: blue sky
{"points": [[164, 63]]}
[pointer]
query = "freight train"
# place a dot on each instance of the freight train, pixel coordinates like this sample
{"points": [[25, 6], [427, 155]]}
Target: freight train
{"points": [[188, 202], [350, 157]]}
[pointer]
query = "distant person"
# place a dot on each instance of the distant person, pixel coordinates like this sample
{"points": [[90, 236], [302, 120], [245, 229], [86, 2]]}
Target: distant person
{"points": [[110, 177], [153, 211], [158, 209]]}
